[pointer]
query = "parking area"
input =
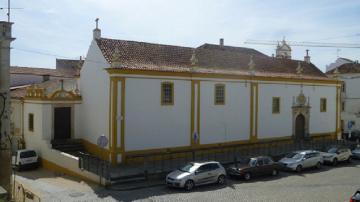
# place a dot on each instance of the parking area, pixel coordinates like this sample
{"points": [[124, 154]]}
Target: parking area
{"points": [[328, 184]]}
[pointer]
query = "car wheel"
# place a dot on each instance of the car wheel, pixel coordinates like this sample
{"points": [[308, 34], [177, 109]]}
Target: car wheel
{"points": [[318, 165], [221, 179], [349, 159], [274, 172], [335, 161], [247, 176], [189, 185], [298, 168]]}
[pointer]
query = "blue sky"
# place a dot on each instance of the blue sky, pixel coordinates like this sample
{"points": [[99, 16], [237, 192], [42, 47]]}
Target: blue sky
{"points": [[64, 28]]}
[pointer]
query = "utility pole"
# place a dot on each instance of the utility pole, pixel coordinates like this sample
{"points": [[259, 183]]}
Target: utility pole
{"points": [[5, 145]]}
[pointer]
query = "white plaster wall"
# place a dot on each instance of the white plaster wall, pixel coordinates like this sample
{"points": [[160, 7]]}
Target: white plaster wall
{"points": [[351, 97], [150, 125], [16, 116], [33, 139], [280, 125], [224, 123], [94, 88]]}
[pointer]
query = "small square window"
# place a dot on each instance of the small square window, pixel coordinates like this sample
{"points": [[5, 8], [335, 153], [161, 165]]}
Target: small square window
{"points": [[323, 104], [167, 93], [276, 105], [219, 94], [31, 122]]}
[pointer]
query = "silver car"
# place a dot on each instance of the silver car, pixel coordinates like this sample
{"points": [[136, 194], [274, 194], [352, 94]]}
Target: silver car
{"points": [[356, 153], [195, 174], [298, 160]]}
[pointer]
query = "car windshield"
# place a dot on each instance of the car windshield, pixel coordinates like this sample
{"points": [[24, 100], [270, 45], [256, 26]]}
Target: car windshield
{"points": [[252, 162], [332, 150], [27, 154], [294, 155], [187, 168]]}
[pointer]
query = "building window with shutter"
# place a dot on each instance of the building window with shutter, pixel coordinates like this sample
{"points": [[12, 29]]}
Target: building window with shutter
{"points": [[343, 106], [31, 122], [343, 88], [167, 93], [219, 94], [323, 104], [276, 105]]}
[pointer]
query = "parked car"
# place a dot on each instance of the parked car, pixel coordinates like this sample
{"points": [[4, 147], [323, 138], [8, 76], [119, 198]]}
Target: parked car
{"points": [[25, 159], [257, 166], [356, 153], [356, 196], [195, 174], [336, 154], [298, 160]]}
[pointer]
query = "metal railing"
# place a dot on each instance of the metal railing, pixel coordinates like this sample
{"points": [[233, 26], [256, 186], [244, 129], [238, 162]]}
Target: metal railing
{"points": [[94, 164]]}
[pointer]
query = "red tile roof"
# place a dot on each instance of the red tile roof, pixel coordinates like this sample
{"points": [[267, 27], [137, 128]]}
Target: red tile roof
{"points": [[347, 68], [39, 71], [210, 58]]}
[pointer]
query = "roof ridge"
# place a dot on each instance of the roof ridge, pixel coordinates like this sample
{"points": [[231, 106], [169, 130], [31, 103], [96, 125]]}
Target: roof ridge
{"points": [[157, 44]]}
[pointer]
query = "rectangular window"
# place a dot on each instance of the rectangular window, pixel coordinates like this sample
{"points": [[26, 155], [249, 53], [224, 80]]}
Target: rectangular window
{"points": [[343, 106], [219, 94], [276, 105], [167, 93], [323, 104], [343, 88], [31, 122]]}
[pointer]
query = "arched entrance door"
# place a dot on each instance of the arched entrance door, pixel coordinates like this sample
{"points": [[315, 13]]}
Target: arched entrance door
{"points": [[300, 127]]}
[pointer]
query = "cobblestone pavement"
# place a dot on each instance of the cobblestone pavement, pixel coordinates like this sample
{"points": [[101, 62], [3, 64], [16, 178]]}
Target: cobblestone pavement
{"points": [[328, 184]]}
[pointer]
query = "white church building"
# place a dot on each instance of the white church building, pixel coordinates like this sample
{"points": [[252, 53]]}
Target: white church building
{"points": [[147, 97]]}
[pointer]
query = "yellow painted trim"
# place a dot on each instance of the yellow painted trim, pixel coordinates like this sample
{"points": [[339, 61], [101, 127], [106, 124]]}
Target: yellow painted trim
{"points": [[251, 111], [216, 75], [96, 150], [111, 94], [123, 83], [219, 85], [198, 112], [256, 111], [162, 93], [273, 100], [338, 118], [192, 113], [49, 165]]}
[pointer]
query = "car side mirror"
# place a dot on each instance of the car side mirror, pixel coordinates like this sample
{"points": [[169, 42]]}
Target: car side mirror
{"points": [[197, 172]]}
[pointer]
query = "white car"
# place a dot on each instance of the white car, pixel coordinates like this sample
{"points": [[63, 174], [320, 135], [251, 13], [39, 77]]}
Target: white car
{"points": [[298, 160], [25, 158], [337, 154], [194, 174]]}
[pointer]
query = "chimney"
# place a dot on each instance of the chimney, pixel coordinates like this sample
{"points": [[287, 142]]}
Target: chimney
{"points": [[307, 57], [221, 43], [97, 31]]}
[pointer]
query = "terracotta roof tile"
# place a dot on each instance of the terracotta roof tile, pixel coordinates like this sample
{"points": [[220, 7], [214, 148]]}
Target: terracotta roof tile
{"points": [[39, 71], [347, 68], [210, 58]]}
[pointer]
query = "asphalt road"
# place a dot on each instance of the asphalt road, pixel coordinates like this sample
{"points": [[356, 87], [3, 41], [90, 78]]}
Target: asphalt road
{"points": [[328, 184]]}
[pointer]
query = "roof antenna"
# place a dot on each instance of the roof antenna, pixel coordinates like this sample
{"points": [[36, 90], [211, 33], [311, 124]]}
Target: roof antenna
{"points": [[96, 21]]}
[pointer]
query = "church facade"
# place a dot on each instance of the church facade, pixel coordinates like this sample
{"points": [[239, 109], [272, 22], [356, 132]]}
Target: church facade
{"points": [[158, 98], [146, 98]]}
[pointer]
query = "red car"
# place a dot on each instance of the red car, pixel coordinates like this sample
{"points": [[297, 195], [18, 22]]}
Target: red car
{"points": [[356, 196]]}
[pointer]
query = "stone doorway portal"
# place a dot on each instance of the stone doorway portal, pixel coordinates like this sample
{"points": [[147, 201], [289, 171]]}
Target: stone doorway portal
{"points": [[301, 116]]}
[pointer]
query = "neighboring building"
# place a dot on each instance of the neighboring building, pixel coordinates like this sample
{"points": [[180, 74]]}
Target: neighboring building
{"points": [[148, 97], [339, 61], [349, 73]]}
